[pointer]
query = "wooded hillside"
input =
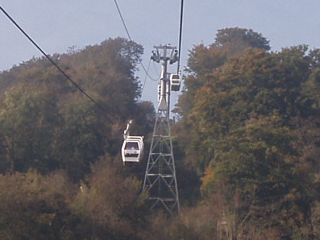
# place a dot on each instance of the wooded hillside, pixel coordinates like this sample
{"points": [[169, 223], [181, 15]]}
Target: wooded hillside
{"points": [[252, 120], [246, 147], [59, 151]]}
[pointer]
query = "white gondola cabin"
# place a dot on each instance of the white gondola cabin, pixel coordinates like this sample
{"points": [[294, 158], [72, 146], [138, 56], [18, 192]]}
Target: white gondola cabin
{"points": [[132, 149], [175, 82]]}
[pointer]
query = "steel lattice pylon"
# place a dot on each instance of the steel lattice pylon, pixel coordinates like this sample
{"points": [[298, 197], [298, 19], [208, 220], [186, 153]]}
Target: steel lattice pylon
{"points": [[160, 177]]}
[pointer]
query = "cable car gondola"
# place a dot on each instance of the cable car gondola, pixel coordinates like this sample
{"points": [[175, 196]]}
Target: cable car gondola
{"points": [[132, 147], [175, 82]]}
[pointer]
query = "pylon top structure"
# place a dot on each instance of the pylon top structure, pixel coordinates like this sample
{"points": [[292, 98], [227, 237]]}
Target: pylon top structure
{"points": [[160, 178], [162, 55]]}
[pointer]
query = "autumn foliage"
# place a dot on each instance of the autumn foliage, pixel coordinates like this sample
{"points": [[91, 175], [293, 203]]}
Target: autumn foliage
{"points": [[246, 146]]}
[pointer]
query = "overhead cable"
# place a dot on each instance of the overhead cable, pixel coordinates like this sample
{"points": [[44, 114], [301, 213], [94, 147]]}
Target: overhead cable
{"points": [[127, 31], [51, 61], [145, 79], [180, 35]]}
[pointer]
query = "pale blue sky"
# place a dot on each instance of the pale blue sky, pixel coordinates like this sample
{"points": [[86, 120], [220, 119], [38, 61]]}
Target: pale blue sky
{"points": [[60, 24]]}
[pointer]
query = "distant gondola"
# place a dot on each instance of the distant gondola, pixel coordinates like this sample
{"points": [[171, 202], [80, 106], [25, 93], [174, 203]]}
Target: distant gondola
{"points": [[175, 82]]}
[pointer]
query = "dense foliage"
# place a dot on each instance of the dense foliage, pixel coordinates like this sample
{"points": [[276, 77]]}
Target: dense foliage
{"points": [[254, 120], [51, 139], [246, 147]]}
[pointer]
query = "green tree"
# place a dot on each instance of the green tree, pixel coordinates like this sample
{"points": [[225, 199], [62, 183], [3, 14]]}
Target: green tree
{"points": [[29, 120], [47, 123], [82, 138], [110, 205], [36, 207], [108, 70], [257, 83], [259, 168], [238, 121], [205, 95], [240, 38]]}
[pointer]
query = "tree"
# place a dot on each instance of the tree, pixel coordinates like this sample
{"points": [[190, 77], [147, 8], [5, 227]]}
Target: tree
{"points": [[240, 117], [257, 83], [203, 61], [240, 38], [110, 205], [36, 207], [108, 70], [82, 138], [29, 119], [47, 123], [259, 167]]}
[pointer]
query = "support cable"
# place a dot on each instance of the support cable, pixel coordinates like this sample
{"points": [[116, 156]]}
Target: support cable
{"points": [[122, 19], [180, 35], [51, 61], [145, 79], [127, 31]]}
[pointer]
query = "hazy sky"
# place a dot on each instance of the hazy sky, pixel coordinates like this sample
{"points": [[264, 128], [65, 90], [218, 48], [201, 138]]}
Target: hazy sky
{"points": [[60, 24]]}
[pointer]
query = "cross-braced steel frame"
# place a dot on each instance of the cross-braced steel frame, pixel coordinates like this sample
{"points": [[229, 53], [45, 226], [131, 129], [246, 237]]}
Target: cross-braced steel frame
{"points": [[160, 177]]}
